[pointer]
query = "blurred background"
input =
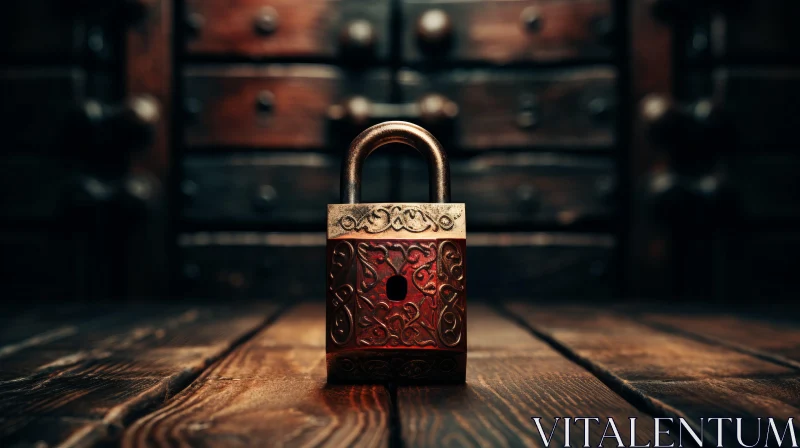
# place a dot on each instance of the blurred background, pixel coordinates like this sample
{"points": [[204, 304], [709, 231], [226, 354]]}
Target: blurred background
{"points": [[606, 149]]}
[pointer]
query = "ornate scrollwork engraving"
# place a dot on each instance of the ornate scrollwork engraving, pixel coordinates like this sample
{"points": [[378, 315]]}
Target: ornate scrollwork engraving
{"points": [[451, 288], [341, 292], [397, 217], [388, 323]]}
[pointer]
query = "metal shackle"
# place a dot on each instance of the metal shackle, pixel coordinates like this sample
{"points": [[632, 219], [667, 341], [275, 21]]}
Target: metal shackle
{"points": [[395, 132]]}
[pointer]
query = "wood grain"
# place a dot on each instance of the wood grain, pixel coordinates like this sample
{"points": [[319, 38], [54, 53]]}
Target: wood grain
{"points": [[80, 388], [511, 377], [494, 30], [271, 392], [775, 341], [670, 375]]}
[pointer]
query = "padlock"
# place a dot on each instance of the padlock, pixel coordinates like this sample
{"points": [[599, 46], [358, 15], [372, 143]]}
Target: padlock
{"points": [[396, 274]]}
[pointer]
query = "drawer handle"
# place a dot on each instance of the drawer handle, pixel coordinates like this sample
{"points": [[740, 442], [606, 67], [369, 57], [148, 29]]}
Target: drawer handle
{"points": [[130, 126], [531, 19], [434, 31], [265, 101], [358, 39], [685, 130], [691, 201], [432, 110], [266, 21]]}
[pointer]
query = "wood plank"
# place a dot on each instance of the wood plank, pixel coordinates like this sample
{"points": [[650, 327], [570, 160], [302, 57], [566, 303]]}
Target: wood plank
{"points": [[271, 391], [511, 377], [81, 388], [669, 375], [774, 341]]}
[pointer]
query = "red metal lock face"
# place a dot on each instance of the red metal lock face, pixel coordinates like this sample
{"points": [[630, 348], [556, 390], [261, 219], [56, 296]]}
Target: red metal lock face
{"points": [[396, 283]]}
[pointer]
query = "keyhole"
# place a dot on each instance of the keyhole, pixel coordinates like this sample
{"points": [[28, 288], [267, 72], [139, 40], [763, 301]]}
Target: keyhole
{"points": [[396, 287]]}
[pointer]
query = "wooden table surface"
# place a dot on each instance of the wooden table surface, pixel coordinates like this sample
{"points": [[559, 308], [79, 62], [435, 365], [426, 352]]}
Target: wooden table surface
{"points": [[254, 374]]}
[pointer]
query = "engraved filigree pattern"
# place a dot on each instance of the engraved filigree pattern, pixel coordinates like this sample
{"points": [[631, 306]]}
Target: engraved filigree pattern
{"points": [[384, 322], [341, 292], [397, 217], [451, 288]]}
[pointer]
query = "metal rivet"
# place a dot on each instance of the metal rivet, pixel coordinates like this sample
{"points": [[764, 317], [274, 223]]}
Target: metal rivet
{"points": [[265, 197], [603, 28], [605, 187], [527, 119], [528, 197], [265, 101], [528, 115], [266, 22], [358, 35], [189, 189], [528, 101], [531, 19], [599, 108], [699, 41]]}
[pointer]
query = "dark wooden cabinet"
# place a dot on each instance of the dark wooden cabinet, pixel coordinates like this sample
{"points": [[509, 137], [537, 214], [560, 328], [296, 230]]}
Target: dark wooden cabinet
{"points": [[714, 153], [659, 133], [80, 189]]}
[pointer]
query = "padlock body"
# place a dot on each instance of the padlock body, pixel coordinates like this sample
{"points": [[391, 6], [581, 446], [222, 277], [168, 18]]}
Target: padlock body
{"points": [[396, 299]]}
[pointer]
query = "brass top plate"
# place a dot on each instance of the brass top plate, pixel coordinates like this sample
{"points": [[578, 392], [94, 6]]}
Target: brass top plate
{"points": [[397, 220]]}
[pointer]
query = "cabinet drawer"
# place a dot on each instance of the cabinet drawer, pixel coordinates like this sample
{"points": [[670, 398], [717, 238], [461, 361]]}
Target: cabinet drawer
{"points": [[272, 107], [507, 31], [289, 189], [570, 109], [356, 29], [524, 189], [763, 105], [527, 265], [756, 29]]}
